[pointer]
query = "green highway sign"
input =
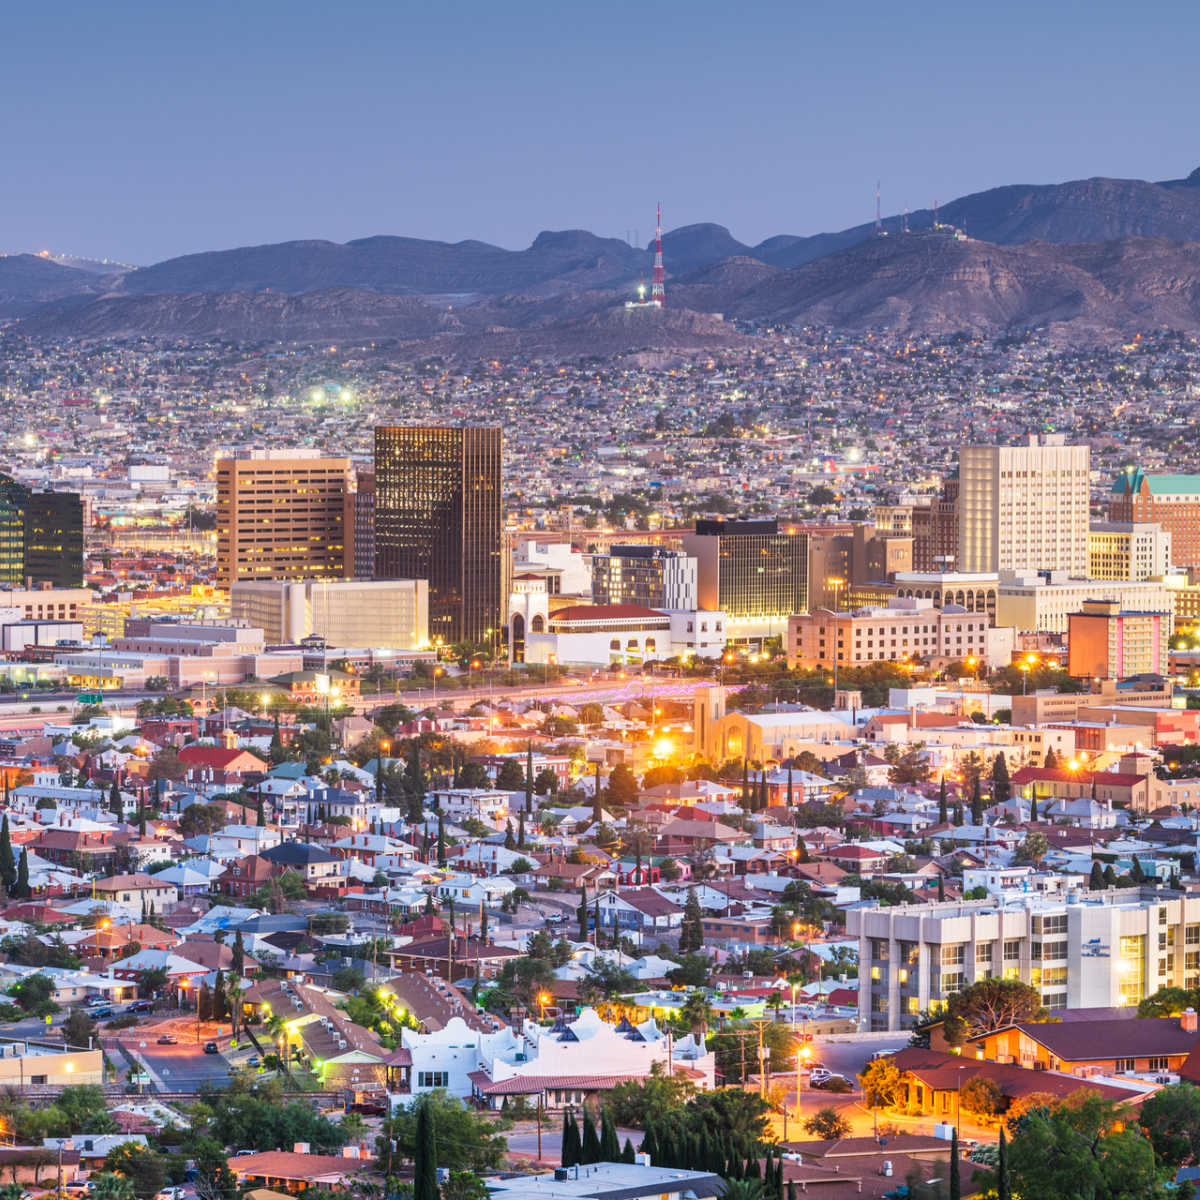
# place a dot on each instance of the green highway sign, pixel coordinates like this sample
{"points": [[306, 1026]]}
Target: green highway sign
{"points": [[90, 698]]}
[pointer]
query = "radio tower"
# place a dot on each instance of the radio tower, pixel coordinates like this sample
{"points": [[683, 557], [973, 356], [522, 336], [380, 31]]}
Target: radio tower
{"points": [[658, 293], [878, 211]]}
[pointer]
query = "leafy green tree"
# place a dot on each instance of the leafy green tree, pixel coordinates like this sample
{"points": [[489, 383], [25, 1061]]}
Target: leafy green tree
{"points": [[461, 1134], [1170, 1118], [145, 1169], [982, 1096], [622, 787], [214, 1179], [988, 1005], [1082, 1148], [84, 1110], [881, 1082], [636, 1102], [827, 1124], [510, 777], [464, 1185], [78, 1029]]}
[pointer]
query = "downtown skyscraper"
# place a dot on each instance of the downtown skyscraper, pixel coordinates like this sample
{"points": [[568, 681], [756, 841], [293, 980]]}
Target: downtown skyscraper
{"points": [[437, 517]]}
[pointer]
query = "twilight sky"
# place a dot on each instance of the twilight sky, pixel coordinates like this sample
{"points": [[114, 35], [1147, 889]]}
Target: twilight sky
{"points": [[143, 129]]}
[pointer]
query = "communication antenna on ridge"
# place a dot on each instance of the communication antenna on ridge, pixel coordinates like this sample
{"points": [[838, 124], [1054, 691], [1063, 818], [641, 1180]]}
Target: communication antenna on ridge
{"points": [[878, 211], [904, 225], [658, 291]]}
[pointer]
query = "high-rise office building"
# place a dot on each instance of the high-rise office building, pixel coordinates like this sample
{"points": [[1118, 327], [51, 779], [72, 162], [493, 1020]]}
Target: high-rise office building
{"points": [[360, 519], [647, 575], [756, 572], [437, 517], [1173, 501], [281, 514], [1024, 508], [41, 536]]}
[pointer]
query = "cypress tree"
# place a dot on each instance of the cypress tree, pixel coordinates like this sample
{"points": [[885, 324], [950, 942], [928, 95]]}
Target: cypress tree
{"points": [[114, 800], [942, 812], [649, 1145], [764, 798], [958, 812], [1096, 880], [570, 1140], [790, 797], [483, 923], [21, 887], [220, 1001], [955, 1180], [582, 913], [529, 777], [691, 933], [237, 962], [976, 804], [510, 842], [1136, 873], [745, 784], [941, 888], [141, 820], [1001, 784], [425, 1164], [596, 921], [1110, 876], [802, 851], [627, 1154], [8, 861], [1051, 759], [752, 1171], [591, 1140], [610, 1146], [1033, 811], [1003, 1189], [441, 842], [521, 831]]}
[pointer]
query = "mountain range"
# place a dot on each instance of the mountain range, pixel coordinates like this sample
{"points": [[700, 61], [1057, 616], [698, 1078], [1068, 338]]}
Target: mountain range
{"points": [[1088, 258]]}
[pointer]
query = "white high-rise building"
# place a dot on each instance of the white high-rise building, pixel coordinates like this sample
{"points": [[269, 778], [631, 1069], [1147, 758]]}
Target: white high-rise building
{"points": [[1024, 508]]}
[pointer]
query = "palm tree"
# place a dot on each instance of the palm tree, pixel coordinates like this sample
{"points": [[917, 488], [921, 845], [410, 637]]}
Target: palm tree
{"points": [[697, 1011], [110, 1186], [743, 1189]]}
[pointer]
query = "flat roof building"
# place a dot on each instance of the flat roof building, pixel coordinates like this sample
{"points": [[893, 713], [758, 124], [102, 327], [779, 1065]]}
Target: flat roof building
{"points": [[282, 515], [437, 517]]}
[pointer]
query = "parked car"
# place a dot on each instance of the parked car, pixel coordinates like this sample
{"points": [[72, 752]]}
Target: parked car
{"points": [[832, 1082], [211, 1048], [168, 1039], [99, 1014], [818, 1073], [252, 1061], [367, 1108], [141, 1006], [171, 1193]]}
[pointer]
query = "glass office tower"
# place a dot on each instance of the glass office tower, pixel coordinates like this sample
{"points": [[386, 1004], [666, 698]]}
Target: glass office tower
{"points": [[437, 517]]}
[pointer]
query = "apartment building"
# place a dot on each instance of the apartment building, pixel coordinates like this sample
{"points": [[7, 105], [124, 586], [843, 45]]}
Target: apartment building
{"points": [[1107, 642], [281, 514], [1083, 950], [1128, 550], [1024, 507], [908, 628], [1171, 501]]}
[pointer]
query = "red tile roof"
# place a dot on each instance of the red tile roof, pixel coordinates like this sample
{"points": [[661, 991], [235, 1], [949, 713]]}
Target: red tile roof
{"points": [[221, 759], [1053, 775], [603, 612]]}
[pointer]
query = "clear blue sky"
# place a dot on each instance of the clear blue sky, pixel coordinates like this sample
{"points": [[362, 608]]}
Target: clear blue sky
{"points": [[141, 130]]}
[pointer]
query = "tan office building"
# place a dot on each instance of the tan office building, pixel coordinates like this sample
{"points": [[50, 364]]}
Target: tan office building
{"points": [[282, 515], [908, 628], [1024, 508], [1132, 550], [388, 614]]}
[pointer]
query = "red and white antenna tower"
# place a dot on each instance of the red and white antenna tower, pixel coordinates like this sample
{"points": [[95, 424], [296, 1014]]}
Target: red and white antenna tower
{"points": [[658, 292]]}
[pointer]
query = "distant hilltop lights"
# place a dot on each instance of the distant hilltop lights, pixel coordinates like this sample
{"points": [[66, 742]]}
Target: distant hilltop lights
{"points": [[658, 291]]}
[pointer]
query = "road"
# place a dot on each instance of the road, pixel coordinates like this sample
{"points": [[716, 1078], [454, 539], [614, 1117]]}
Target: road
{"points": [[183, 1066]]}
